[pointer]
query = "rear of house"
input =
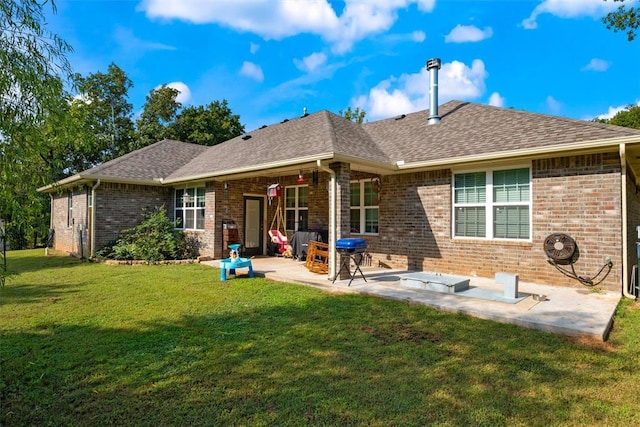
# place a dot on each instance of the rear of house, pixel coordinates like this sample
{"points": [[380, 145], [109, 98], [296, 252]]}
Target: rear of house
{"points": [[476, 193]]}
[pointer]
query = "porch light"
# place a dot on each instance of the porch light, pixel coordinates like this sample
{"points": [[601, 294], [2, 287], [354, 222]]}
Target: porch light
{"points": [[300, 177]]}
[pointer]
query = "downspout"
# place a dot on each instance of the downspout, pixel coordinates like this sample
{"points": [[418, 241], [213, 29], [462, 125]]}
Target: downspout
{"points": [[332, 219], [625, 242], [93, 218]]}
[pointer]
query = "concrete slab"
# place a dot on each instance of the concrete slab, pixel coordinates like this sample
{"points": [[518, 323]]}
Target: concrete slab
{"points": [[570, 311]]}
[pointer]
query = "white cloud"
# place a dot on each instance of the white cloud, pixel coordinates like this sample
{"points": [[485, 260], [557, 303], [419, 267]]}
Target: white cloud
{"points": [[553, 105], [596, 64], [468, 33], [184, 94], [615, 110], [496, 100], [253, 47], [568, 9], [418, 36], [283, 18], [410, 92], [251, 70], [129, 42], [310, 63]]}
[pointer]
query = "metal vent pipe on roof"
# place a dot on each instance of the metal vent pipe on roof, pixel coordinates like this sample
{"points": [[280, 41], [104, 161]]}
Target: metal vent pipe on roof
{"points": [[433, 65]]}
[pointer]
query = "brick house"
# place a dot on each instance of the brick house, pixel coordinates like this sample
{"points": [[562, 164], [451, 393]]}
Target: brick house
{"points": [[464, 189]]}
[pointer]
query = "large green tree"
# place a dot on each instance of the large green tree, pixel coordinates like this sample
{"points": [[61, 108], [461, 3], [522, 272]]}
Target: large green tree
{"points": [[159, 113], [33, 67], [624, 18], [207, 125], [102, 115]]}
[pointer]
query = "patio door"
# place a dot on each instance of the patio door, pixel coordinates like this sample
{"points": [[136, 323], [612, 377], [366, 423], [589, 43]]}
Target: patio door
{"points": [[253, 228]]}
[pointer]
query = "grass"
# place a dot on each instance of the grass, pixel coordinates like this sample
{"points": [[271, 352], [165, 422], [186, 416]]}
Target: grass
{"points": [[92, 344]]}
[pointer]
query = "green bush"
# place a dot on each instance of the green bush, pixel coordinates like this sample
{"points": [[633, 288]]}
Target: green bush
{"points": [[154, 239]]}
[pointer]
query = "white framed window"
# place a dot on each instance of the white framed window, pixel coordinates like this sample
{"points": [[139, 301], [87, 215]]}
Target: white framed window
{"points": [[364, 207], [189, 208], [70, 209], [493, 204], [296, 207]]}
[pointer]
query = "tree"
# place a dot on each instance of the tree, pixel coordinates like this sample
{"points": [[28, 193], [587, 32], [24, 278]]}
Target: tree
{"points": [[33, 67], [101, 116], [356, 115], [208, 125], [623, 19], [31, 61], [160, 111], [628, 118]]}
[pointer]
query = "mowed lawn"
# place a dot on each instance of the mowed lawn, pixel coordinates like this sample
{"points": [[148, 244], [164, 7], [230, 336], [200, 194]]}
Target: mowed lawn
{"points": [[92, 344]]}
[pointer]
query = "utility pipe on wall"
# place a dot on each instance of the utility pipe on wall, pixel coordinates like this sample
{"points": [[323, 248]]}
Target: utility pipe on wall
{"points": [[332, 219], [625, 242], [93, 219]]}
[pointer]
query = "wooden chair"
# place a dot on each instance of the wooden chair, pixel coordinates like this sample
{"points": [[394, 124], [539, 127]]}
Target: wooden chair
{"points": [[318, 257]]}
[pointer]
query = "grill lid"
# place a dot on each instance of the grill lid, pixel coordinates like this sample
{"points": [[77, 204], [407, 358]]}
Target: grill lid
{"points": [[351, 243]]}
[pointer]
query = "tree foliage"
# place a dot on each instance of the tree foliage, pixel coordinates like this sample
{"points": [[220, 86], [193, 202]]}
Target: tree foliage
{"points": [[159, 113], [629, 117], [624, 19], [207, 125], [102, 115], [33, 72], [356, 115], [31, 61]]}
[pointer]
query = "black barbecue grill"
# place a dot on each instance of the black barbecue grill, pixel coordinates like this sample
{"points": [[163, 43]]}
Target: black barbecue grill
{"points": [[351, 249]]}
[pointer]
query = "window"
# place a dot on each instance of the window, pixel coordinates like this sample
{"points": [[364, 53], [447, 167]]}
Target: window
{"points": [[364, 207], [493, 204], [189, 208], [70, 209], [296, 207]]}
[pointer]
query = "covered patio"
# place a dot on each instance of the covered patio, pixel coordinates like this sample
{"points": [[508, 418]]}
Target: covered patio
{"points": [[580, 312]]}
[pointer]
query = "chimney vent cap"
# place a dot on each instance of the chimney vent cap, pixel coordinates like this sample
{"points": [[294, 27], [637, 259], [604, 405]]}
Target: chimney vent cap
{"points": [[433, 63]]}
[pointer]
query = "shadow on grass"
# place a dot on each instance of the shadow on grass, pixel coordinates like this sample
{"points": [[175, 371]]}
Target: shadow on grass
{"points": [[31, 260], [325, 359]]}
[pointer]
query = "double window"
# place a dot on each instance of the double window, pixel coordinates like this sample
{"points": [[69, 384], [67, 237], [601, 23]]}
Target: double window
{"points": [[493, 204], [189, 208], [297, 207], [364, 207]]}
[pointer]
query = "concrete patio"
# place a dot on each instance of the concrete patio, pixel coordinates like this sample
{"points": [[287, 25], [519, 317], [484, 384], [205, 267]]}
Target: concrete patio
{"points": [[579, 311]]}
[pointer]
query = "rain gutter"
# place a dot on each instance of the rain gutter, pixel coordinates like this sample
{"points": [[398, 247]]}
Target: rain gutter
{"points": [[545, 152], [625, 221]]}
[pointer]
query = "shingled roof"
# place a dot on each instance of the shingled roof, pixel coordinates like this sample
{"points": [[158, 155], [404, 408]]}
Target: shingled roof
{"points": [[314, 136], [466, 130]]}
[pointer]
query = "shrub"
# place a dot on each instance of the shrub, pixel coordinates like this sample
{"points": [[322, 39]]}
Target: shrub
{"points": [[154, 239]]}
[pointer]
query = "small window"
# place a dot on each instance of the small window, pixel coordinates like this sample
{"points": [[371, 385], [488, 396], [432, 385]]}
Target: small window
{"points": [[189, 208], [364, 218], [70, 209], [297, 208]]}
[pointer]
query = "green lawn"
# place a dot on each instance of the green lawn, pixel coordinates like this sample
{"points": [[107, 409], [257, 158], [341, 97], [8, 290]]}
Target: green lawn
{"points": [[92, 344]]}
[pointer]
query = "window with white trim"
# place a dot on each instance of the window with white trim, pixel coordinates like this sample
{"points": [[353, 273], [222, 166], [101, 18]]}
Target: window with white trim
{"points": [[189, 208], [494, 204], [296, 207], [70, 209], [364, 207]]}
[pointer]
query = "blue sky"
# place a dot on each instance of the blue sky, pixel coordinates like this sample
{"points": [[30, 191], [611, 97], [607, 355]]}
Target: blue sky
{"points": [[271, 59]]}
